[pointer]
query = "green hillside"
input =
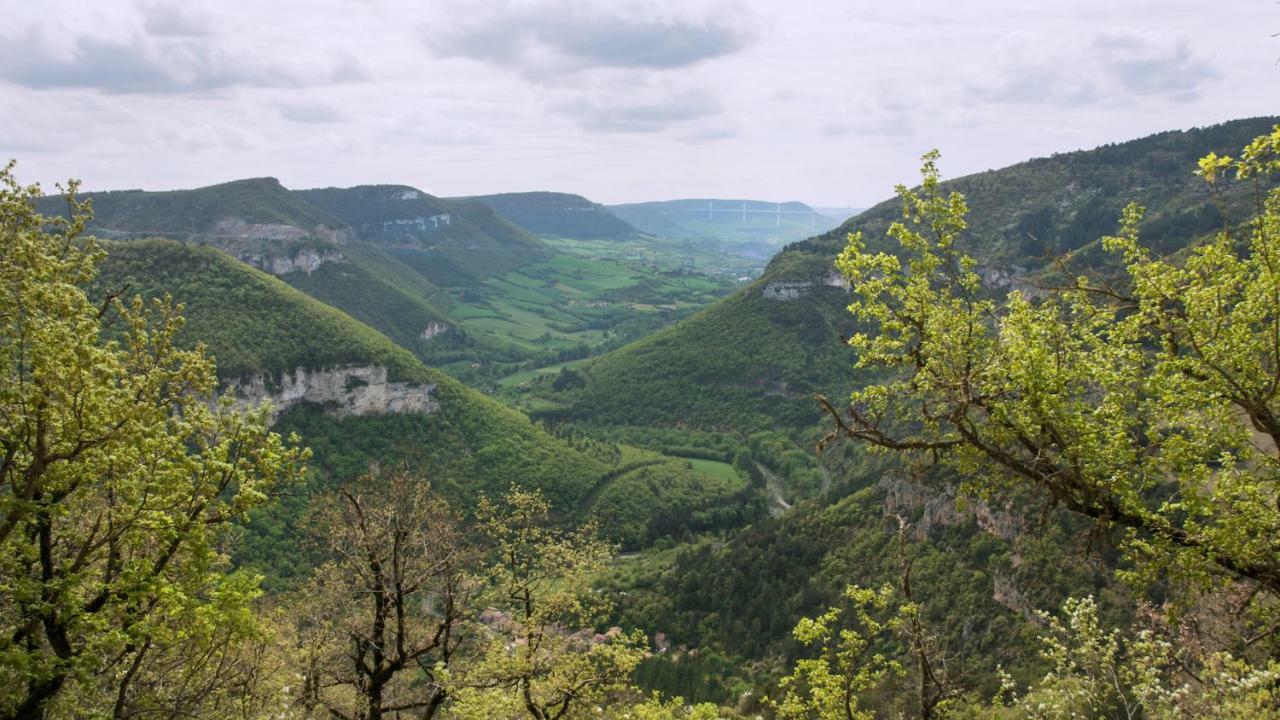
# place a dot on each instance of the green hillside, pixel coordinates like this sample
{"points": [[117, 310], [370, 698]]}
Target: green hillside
{"points": [[754, 359], [268, 226], [251, 322], [746, 368], [216, 214], [379, 290], [256, 324], [752, 224], [398, 215], [450, 242], [559, 215], [739, 600], [449, 280]]}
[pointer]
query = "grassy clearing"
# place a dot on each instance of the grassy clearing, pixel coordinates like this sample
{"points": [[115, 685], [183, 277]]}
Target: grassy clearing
{"points": [[716, 469], [515, 379]]}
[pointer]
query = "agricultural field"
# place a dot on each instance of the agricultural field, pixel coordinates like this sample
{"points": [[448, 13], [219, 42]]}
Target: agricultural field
{"points": [[545, 316], [700, 256]]}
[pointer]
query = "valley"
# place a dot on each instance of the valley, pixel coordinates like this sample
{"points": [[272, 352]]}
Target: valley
{"points": [[670, 379], [569, 307]]}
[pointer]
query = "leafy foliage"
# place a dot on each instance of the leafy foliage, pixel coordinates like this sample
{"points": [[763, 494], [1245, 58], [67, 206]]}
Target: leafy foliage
{"points": [[119, 479], [1127, 405], [830, 685], [534, 664]]}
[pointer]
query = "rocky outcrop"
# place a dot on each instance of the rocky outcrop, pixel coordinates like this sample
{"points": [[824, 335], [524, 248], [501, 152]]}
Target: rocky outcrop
{"points": [[922, 508], [937, 507], [245, 241], [1005, 591], [408, 232], [343, 391], [836, 279], [420, 222], [1010, 278], [235, 228], [906, 499], [433, 329], [307, 260], [784, 290]]}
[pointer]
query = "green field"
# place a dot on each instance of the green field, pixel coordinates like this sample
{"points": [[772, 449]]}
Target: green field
{"points": [[704, 257], [517, 380], [547, 315], [716, 469]]}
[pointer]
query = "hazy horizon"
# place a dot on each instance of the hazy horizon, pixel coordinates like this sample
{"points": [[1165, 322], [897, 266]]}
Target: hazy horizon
{"points": [[826, 103]]}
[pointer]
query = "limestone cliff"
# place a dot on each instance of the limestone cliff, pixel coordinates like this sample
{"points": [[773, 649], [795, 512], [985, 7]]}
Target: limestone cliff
{"points": [[786, 290], [928, 507], [433, 329], [1014, 278], [342, 391], [307, 260]]}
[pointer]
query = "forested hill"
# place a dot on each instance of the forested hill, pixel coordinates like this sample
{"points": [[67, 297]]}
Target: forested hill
{"points": [[356, 397], [260, 213], [558, 215], [252, 323], [754, 359], [1022, 216], [725, 221], [374, 252], [254, 208], [398, 215], [261, 330]]}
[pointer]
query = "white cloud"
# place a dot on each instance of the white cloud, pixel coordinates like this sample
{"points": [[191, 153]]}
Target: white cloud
{"points": [[828, 101], [548, 38], [1111, 66]]}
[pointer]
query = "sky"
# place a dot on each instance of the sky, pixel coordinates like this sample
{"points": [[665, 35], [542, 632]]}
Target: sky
{"points": [[829, 102]]}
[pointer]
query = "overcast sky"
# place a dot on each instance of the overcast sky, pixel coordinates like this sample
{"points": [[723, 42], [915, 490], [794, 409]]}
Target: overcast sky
{"points": [[825, 102]]}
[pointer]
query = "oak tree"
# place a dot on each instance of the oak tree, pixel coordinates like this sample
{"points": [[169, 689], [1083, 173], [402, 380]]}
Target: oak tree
{"points": [[119, 476], [382, 622]]}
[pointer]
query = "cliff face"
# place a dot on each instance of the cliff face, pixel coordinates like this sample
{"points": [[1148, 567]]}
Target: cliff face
{"points": [[433, 329], [929, 507], [786, 290], [343, 391], [306, 261]]}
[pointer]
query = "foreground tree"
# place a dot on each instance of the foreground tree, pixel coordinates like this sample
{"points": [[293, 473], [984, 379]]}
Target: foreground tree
{"points": [[541, 660], [1151, 405], [118, 479], [829, 686], [1147, 400], [382, 621]]}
